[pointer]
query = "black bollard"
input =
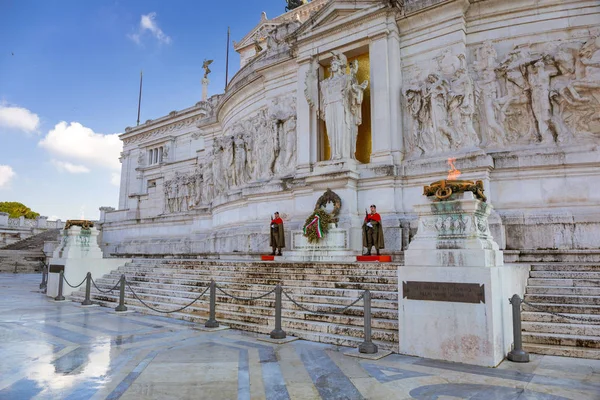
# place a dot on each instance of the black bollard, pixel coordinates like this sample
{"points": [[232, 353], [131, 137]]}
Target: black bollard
{"points": [[212, 322], [60, 296], [278, 333], [88, 288], [367, 347], [121, 307], [15, 271], [44, 283], [517, 354]]}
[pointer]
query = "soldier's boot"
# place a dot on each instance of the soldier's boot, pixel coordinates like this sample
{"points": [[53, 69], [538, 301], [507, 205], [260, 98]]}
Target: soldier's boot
{"points": [[273, 253]]}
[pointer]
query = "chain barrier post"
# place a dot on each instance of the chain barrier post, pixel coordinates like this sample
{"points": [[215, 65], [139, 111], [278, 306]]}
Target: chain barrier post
{"points": [[88, 288], [517, 354], [60, 296], [212, 322], [15, 271], [44, 283], [367, 347], [278, 333], [121, 307]]}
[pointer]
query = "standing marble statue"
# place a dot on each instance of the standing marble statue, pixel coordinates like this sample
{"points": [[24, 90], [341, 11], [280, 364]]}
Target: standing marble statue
{"points": [[341, 98]]}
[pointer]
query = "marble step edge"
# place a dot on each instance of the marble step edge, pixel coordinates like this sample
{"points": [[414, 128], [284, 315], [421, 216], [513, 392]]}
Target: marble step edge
{"points": [[567, 282], [266, 325], [566, 267], [562, 339], [275, 264], [565, 274], [262, 271], [537, 316], [269, 282], [258, 311], [562, 299], [566, 290], [301, 298], [222, 275], [563, 351], [250, 290], [582, 329], [565, 308]]}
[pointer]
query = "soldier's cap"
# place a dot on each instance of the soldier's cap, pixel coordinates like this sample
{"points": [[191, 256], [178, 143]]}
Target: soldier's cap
{"points": [[373, 205]]}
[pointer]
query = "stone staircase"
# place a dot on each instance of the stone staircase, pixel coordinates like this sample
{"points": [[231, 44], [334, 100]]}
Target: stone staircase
{"points": [[35, 242], [325, 287], [571, 288]]}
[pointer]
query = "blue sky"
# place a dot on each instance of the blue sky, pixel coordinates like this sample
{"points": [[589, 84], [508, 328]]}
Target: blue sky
{"points": [[69, 81]]}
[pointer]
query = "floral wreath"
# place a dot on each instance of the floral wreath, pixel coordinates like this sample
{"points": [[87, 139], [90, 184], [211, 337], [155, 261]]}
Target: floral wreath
{"points": [[317, 224]]}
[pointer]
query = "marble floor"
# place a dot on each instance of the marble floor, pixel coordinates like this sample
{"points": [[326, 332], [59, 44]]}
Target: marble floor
{"points": [[60, 350]]}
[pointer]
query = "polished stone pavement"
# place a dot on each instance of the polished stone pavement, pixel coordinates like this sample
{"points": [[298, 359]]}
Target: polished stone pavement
{"points": [[60, 350]]}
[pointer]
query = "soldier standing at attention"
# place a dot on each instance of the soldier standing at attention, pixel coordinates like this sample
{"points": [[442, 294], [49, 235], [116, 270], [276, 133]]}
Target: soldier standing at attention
{"points": [[277, 241], [372, 231]]}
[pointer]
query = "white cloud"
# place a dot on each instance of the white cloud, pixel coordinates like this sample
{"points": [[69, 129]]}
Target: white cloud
{"points": [[115, 179], [80, 144], [148, 24], [18, 118], [68, 167], [6, 175]]}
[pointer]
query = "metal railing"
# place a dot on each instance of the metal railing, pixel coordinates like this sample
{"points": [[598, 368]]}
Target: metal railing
{"points": [[366, 347]]}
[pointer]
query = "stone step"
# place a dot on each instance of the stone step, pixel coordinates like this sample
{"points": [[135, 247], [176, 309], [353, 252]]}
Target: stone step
{"points": [[581, 267], [534, 316], [229, 317], [563, 351], [301, 298], [561, 339], [266, 264], [564, 308], [272, 282], [254, 276], [565, 275], [562, 328], [562, 299], [550, 290], [258, 270], [250, 290], [563, 282]]}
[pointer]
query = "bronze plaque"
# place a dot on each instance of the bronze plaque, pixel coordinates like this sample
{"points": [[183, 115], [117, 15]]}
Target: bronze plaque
{"points": [[444, 291], [56, 269]]}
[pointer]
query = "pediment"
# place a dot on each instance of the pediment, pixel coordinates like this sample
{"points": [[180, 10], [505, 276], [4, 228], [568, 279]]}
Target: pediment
{"points": [[336, 13]]}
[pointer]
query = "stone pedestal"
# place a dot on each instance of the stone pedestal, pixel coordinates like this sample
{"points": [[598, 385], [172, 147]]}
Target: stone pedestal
{"points": [[333, 247], [78, 253], [454, 287]]}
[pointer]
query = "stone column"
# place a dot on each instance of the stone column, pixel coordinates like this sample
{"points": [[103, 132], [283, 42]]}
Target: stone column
{"points": [[384, 55], [124, 185], [205, 83]]}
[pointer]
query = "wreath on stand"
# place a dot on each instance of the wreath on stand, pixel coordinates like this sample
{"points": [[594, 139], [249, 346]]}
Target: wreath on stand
{"points": [[317, 224]]}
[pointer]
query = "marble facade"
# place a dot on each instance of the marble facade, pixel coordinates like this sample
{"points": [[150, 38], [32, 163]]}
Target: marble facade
{"points": [[509, 89]]}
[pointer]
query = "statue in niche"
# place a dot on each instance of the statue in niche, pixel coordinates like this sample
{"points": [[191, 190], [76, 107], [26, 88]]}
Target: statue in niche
{"points": [[172, 196], [486, 92], [539, 73], [241, 170], [198, 186], [289, 145], [166, 191], [227, 162], [208, 187], [340, 97], [165, 154], [356, 96], [217, 175]]}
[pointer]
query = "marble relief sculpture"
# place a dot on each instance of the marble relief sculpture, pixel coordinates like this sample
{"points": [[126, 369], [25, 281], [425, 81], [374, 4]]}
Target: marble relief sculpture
{"points": [[442, 108], [341, 99]]}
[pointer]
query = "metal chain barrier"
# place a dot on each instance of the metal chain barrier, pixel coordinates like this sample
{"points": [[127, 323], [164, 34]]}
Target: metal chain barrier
{"points": [[340, 311], [162, 311], [245, 298], [590, 320], [107, 291], [74, 287]]}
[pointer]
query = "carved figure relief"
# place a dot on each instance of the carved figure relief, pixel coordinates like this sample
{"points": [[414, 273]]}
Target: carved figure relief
{"points": [[442, 108]]}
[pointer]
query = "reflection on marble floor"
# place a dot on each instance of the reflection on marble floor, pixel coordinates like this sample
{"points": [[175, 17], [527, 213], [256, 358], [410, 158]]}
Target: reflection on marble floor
{"points": [[63, 351]]}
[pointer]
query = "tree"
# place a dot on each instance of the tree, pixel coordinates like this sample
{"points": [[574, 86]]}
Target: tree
{"points": [[16, 210]]}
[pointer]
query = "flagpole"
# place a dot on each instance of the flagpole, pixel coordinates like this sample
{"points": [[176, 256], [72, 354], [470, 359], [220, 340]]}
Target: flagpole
{"points": [[227, 60], [140, 97]]}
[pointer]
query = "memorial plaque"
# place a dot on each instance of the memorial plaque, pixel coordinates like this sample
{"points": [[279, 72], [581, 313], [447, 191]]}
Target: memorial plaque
{"points": [[444, 291], [56, 269]]}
